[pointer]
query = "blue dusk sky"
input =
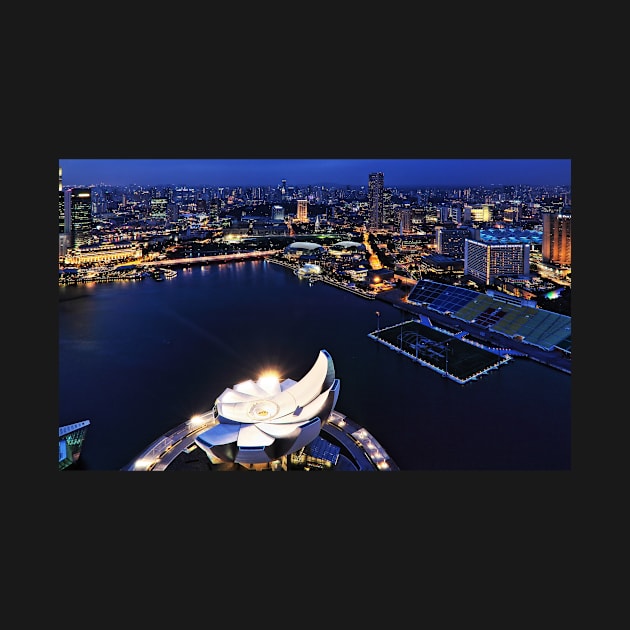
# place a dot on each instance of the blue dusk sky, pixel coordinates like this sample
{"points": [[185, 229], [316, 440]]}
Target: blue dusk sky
{"points": [[299, 172]]}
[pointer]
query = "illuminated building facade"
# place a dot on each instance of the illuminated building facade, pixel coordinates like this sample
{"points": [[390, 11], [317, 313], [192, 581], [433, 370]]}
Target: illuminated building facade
{"points": [[485, 261], [71, 438], [556, 239], [159, 208], [61, 205], [64, 220], [78, 209], [347, 249], [477, 213], [106, 253], [302, 210]]}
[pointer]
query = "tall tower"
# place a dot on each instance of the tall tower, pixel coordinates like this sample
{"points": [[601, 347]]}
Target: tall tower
{"points": [[302, 214], [375, 200], [80, 211], [61, 205], [64, 220], [556, 239], [405, 221]]}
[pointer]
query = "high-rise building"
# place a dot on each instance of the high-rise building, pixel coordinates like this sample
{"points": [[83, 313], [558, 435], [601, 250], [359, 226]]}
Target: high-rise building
{"points": [[64, 220], [78, 209], [302, 210], [443, 213], [511, 215], [556, 239], [61, 205], [375, 200], [159, 208], [405, 220], [487, 261], [452, 241]]}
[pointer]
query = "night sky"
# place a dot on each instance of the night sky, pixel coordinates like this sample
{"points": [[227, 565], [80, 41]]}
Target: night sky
{"points": [[301, 172]]}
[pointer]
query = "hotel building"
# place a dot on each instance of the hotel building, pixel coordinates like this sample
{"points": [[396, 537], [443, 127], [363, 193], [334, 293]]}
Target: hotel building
{"points": [[556, 240], [484, 261], [302, 211]]}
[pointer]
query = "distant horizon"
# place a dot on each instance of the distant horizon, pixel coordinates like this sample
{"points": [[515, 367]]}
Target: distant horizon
{"points": [[403, 173]]}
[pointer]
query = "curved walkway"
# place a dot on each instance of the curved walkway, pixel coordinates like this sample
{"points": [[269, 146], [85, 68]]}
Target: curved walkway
{"points": [[361, 447]]}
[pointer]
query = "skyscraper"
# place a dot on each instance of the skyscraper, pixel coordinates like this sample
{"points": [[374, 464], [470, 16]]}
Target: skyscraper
{"points": [[556, 239], [80, 211], [61, 205], [405, 221], [302, 213], [64, 219], [375, 200]]}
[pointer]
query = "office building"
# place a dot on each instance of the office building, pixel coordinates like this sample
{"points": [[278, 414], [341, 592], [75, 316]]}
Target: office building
{"points": [[477, 213], [64, 220], [78, 215], [375, 200], [159, 208], [451, 241], [405, 221]]}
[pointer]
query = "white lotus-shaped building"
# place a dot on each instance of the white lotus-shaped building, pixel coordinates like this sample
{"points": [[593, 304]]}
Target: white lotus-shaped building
{"points": [[260, 421]]}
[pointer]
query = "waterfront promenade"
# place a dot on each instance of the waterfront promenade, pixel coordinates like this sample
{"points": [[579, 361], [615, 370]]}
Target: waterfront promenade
{"points": [[141, 269]]}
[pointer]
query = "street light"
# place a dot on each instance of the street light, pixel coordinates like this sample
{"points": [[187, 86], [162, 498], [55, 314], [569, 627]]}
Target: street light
{"points": [[378, 321]]}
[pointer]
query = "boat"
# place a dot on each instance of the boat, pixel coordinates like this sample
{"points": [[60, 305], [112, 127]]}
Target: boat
{"points": [[71, 437]]}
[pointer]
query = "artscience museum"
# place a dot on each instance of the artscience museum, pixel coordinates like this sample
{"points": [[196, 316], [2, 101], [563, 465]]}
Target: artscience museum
{"points": [[259, 422]]}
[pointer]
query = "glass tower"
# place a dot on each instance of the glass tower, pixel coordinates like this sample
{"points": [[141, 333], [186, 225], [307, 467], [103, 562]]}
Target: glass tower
{"points": [[375, 200]]}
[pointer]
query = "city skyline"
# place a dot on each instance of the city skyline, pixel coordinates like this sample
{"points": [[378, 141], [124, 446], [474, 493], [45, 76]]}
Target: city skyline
{"points": [[302, 172]]}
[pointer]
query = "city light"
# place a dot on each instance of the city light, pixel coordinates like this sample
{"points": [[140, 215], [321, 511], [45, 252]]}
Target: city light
{"points": [[342, 242]]}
